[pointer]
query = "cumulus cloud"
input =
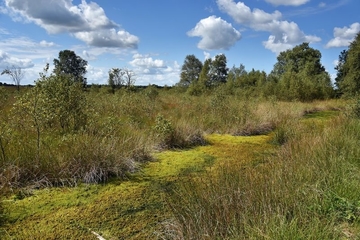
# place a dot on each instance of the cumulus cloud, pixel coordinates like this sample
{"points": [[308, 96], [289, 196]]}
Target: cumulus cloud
{"points": [[283, 34], [163, 76], [86, 21], [96, 75], [287, 2], [344, 36], [108, 38], [146, 62], [215, 33], [8, 61]]}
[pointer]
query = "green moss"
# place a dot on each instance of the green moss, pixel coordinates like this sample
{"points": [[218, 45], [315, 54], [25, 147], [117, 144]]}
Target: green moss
{"points": [[132, 209]]}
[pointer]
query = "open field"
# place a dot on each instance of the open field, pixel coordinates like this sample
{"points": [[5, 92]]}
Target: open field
{"points": [[159, 164]]}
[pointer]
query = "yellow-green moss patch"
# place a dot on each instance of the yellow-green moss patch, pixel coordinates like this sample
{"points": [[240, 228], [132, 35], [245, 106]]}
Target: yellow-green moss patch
{"points": [[132, 209]]}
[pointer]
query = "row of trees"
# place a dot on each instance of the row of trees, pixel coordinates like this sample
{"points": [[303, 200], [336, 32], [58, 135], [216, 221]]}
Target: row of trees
{"points": [[74, 67], [297, 75]]}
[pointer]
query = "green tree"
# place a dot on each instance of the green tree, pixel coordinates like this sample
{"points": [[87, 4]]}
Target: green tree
{"points": [[234, 74], [295, 60], [340, 68], [70, 64], [204, 78], [190, 70], [218, 70], [56, 102], [349, 83], [115, 79], [301, 74]]}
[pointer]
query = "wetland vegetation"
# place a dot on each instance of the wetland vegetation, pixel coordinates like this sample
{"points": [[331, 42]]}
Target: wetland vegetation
{"points": [[248, 156]]}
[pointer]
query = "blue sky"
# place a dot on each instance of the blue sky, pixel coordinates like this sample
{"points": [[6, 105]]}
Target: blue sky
{"points": [[152, 38]]}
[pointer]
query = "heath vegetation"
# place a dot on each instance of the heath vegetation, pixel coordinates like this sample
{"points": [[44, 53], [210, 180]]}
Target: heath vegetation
{"points": [[224, 154]]}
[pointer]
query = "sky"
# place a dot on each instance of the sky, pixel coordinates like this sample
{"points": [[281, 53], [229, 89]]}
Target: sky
{"points": [[152, 38]]}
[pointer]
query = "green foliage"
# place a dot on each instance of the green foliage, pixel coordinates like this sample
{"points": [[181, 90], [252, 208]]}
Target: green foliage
{"points": [[190, 71], [354, 108], [165, 131], [349, 82], [296, 59], [253, 189], [204, 78], [197, 75], [301, 76], [68, 63], [196, 88], [218, 70], [151, 92], [340, 68], [344, 209], [299, 192], [55, 101]]}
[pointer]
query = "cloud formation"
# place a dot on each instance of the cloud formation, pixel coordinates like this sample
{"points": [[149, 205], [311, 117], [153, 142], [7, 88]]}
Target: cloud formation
{"points": [[8, 61], [287, 2], [146, 62], [86, 21], [284, 34], [215, 34], [344, 36]]}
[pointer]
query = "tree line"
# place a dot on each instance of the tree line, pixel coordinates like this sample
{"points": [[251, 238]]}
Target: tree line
{"points": [[72, 66], [298, 74]]}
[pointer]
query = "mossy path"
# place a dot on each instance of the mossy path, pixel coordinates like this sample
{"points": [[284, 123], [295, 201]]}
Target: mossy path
{"points": [[135, 208], [131, 209]]}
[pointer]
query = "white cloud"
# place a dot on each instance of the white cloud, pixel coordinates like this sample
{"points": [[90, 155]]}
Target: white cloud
{"points": [[8, 61], [276, 46], [287, 2], [154, 71], [167, 76], [335, 62], [283, 34], [86, 21], [215, 33], [242, 14], [146, 62], [344, 36], [108, 38], [44, 43], [23, 48], [96, 75], [207, 55], [322, 5]]}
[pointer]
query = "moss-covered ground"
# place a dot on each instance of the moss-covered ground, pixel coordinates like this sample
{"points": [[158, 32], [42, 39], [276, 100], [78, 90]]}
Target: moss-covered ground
{"points": [[127, 209], [134, 208]]}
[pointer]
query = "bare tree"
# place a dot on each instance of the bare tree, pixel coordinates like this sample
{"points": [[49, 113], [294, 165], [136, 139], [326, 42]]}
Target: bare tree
{"points": [[128, 77], [16, 74], [121, 77]]}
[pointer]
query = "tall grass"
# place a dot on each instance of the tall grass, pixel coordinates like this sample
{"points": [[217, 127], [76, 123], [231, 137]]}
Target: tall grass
{"points": [[309, 190], [121, 131]]}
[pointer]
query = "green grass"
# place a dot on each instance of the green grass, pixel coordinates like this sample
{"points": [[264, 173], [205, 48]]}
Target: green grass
{"points": [[132, 209], [235, 187], [308, 189]]}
